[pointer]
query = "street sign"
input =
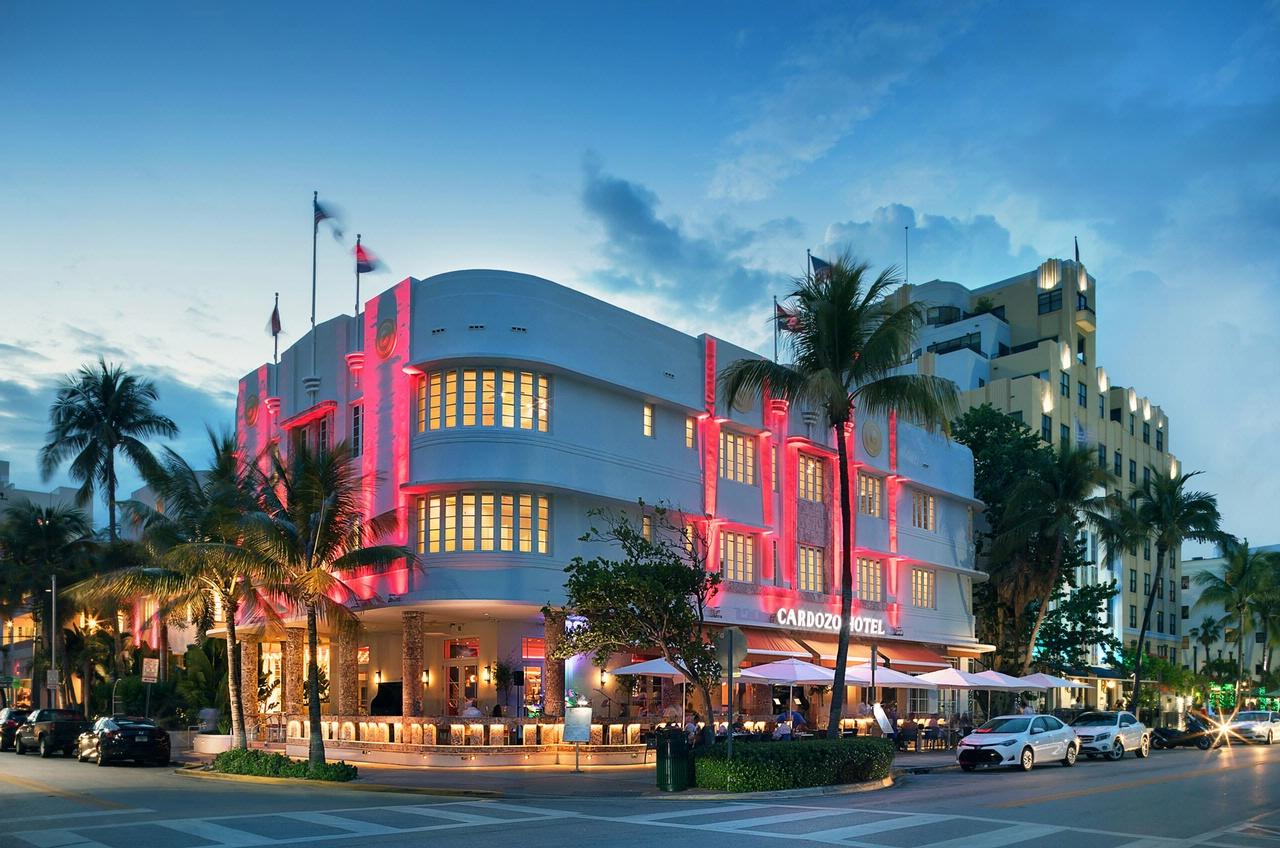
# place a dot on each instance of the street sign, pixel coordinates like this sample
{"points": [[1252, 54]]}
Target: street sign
{"points": [[723, 640], [577, 724], [51, 678], [150, 669]]}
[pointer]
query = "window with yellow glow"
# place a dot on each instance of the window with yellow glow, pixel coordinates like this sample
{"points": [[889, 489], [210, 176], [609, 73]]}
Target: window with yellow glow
{"points": [[738, 457], [870, 493], [526, 400], [647, 422], [737, 557], [689, 430], [870, 579], [811, 481], [809, 570], [526, 520], [922, 511], [487, 397], [421, 394], [923, 594], [484, 521], [468, 398]]}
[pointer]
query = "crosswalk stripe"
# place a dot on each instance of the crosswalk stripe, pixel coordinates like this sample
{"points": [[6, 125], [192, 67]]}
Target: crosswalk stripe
{"points": [[541, 812], [839, 834], [759, 821], [700, 811], [56, 839], [998, 838], [360, 828], [437, 811], [216, 833]]}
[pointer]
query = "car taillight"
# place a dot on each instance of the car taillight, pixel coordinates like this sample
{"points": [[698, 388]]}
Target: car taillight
{"points": [[10, 723]]}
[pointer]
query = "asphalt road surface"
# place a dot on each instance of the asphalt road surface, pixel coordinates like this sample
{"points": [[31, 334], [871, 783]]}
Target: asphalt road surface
{"points": [[1224, 799]]}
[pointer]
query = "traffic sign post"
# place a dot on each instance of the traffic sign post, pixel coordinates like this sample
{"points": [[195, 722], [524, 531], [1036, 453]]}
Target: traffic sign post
{"points": [[731, 650], [150, 673]]}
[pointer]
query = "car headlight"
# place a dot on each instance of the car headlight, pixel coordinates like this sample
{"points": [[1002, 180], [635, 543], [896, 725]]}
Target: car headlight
{"points": [[1098, 737], [1009, 742]]}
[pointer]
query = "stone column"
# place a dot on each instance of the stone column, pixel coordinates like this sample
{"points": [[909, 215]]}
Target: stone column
{"points": [[249, 651], [553, 669], [294, 694], [411, 657], [346, 678]]}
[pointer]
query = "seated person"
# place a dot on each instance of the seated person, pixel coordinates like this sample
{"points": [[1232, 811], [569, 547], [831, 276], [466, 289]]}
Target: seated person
{"points": [[783, 730], [471, 710]]}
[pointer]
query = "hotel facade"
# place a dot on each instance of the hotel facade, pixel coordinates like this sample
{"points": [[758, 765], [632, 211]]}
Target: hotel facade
{"points": [[1027, 346], [493, 410]]}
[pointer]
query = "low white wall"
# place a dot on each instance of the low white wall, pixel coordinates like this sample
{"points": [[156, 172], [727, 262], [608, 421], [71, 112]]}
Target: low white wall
{"points": [[211, 743]]}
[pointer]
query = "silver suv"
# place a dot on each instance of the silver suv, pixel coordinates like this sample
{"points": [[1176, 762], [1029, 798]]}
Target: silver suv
{"points": [[1111, 734]]}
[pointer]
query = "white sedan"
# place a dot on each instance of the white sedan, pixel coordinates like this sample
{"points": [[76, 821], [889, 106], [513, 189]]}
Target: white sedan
{"points": [[1255, 726], [1020, 741]]}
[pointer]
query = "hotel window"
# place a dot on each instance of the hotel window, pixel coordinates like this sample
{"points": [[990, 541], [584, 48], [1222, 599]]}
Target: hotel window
{"points": [[646, 527], [1082, 395], [648, 421], [1102, 406], [324, 429], [1160, 621], [441, 402], [1131, 421], [1133, 616], [1160, 440], [870, 579], [811, 478], [508, 397], [809, 570], [923, 594], [357, 429], [471, 521], [1146, 549], [1133, 471], [738, 457], [1186, 582], [689, 429], [1160, 589], [737, 557], [1102, 456], [1133, 580], [1064, 385], [870, 494], [421, 394], [1146, 475], [1146, 583], [488, 397], [1117, 463], [1050, 301], [527, 405], [1064, 433], [922, 511], [469, 398], [1146, 432], [451, 399], [1046, 428]]}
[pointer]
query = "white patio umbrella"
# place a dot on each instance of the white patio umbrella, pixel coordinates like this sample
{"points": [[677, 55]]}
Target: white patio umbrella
{"points": [[1046, 681], [1007, 683], [954, 678], [790, 673], [886, 677], [657, 668]]}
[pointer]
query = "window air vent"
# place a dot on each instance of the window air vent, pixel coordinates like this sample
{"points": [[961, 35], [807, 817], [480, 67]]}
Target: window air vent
{"points": [[475, 327], [519, 329], [437, 331]]}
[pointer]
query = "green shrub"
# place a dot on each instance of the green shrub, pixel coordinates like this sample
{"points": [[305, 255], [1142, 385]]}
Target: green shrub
{"points": [[267, 764], [773, 766]]}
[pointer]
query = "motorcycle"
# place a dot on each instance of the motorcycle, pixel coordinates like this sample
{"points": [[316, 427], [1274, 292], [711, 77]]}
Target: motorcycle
{"points": [[1198, 734]]}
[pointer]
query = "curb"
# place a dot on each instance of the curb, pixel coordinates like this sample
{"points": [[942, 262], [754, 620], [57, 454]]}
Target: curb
{"points": [[807, 792], [926, 769], [197, 773]]}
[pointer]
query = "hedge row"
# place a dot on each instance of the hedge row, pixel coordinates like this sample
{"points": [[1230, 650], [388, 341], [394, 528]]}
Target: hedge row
{"points": [[266, 764], [773, 766]]}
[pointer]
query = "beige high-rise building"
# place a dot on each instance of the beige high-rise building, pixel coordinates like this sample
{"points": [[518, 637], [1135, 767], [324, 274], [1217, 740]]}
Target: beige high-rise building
{"points": [[1027, 346]]}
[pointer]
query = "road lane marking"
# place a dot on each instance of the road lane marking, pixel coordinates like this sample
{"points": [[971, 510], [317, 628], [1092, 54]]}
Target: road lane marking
{"points": [[643, 818], [359, 828], [215, 833], [999, 838], [84, 815], [840, 834], [46, 789], [760, 821], [1129, 784], [58, 839]]}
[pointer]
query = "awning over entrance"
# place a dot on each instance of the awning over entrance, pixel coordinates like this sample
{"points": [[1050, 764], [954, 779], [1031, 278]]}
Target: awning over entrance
{"points": [[904, 657], [762, 643]]}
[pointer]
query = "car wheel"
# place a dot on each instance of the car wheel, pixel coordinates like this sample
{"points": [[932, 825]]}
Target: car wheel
{"points": [[1071, 757], [1157, 743], [45, 750], [19, 748], [1144, 749], [1028, 759], [102, 759], [1116, 752], [967, 767], [1204, 743]]}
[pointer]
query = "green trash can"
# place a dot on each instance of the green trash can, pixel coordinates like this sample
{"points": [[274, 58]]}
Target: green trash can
{"points": [[672, 760]]}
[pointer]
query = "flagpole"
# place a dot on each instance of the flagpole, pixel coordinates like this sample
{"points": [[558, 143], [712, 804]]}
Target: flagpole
{"points": [[315, 231], [775, 329], [906, 254], [275, 337], [357, 275]]}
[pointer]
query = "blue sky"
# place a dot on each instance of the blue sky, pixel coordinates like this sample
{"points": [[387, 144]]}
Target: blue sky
{"points": [[156, 164]]}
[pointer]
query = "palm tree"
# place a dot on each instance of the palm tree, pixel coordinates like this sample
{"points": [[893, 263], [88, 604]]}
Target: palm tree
{"points": [[1169, 513], [1207, 634], [38, 543], [98, 411], [848, 341], [310, 528], [1047, 513], [88, 650], [199, 564], [1244, 576]]}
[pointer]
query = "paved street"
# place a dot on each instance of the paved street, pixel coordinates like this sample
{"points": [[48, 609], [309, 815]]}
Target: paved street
{"points": [[1226, 799]]}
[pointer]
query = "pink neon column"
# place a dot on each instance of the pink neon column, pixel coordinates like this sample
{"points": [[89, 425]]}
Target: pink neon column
{"points": [[892, 493]]}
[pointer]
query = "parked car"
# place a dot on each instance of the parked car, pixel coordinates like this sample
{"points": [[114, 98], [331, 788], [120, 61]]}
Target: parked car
{"points": [[47, 730], [121, 737], [1197, 734], [1110, 734], [1020, 741], [1255, 726], [10, 718]]}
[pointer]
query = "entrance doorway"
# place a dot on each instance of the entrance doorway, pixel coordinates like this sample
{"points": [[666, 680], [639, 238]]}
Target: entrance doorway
{"points": [[462, 673]]}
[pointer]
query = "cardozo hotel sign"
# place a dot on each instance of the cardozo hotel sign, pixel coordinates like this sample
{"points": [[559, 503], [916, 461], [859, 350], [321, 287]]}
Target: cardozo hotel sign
{"points": [[828, 621]]}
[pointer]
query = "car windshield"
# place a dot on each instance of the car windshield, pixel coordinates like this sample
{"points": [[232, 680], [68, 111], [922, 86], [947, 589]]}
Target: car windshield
{"points": [[1251, 717], [1005, 725], [1095, 720], [58, 715], [135, 722]]}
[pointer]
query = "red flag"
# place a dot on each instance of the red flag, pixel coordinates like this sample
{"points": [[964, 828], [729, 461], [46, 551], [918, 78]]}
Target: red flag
{"points": [[786, 320], [365, 260], [273, 325]]}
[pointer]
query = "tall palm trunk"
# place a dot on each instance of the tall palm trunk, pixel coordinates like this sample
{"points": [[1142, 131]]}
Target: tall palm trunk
{"points": [[1162, 551], [846, 586], [238, 730], [111, 493], [1043, 611], [315, 747], [1239, 656], [86, 677]]}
